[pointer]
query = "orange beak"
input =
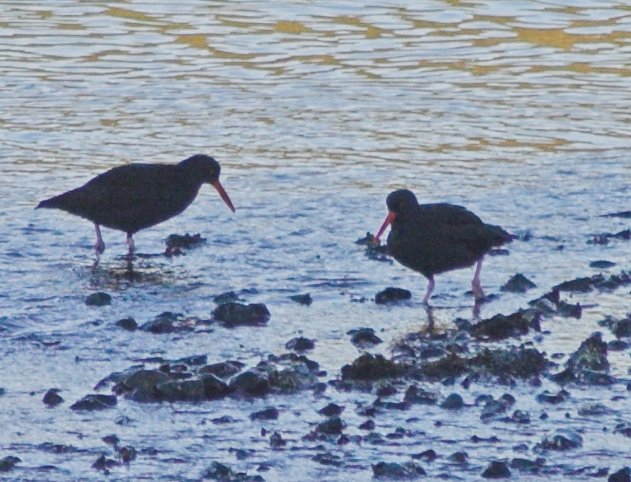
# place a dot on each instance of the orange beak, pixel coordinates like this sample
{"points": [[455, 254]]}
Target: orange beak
{"points": [[389, 218], [223, 194]]}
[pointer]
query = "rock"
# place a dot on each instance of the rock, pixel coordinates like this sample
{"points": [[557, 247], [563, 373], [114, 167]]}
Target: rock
{"points": [[569, 310], [128, 324], [624, 429], [578, 285], [98, 299], [452, 402], [562, 439], [276, 440], [181, 390], [372, 367], [367, 425], [304, 299], [332, 409], [392, 470], [364, 337], [127, 454], [163, 323], [414, 394], [493, 408], [104, 464], [622, 475], [590, 357], [520, 362], [500, 327], [392, 295], [621, 328], [94, 402], [250, 383], [270, 413], [520, 416], [141, 385], [375, 251], [222, 369], [213, 386], [459, 457], [525, 465], [8, 463], [601, 264], [496, 470], [547, 397], [518, 284], [300, 344], [330, 426], [52, 397], [238, 314], [427, 455]]}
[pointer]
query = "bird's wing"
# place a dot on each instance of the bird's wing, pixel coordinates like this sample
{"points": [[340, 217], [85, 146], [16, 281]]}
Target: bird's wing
{"points": [[448, 215]]}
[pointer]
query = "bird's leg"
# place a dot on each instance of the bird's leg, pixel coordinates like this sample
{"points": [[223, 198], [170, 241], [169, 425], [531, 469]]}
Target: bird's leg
{"points": [[132, 246], [430, 288], [478, 293], [99, 246]]}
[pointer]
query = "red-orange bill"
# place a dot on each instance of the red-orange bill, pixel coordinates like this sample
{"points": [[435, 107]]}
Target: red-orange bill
{"points": [[389, 218], [223, 194]]}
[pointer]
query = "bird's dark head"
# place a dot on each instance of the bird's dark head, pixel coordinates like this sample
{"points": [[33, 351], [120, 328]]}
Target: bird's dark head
{"points": [[400, 203], [206, 169]]}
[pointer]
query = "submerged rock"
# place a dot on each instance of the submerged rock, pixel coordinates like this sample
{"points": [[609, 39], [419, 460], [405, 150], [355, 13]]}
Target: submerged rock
{"points": [[518, 283], [94, 402], [304, 299], [98, 299], [496, 470], [364, 337], [166, 322], [332, 409], [601, 264], [176, 242], [238, 314], [392, 295], [223, 473], [392, 470], [227, 297], [500, 326], [621, 328], [414, 394]]}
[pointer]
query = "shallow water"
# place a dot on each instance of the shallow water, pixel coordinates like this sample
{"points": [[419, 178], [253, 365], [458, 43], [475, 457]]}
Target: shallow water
{"points": [[316, 111]]}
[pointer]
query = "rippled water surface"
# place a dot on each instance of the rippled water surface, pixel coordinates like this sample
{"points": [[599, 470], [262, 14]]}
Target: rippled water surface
{"points": [[316, 111]]}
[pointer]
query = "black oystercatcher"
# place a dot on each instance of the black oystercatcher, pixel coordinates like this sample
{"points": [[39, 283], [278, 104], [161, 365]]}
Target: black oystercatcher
{"points": [[434, 238], [136, 196]]}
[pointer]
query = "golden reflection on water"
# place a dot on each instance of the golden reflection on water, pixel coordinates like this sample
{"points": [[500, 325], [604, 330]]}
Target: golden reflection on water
{"points": [[471, 80]]}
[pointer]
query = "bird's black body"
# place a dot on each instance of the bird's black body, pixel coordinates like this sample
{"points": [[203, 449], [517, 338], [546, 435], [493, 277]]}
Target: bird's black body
{"points": [[136, 196], [434, 238]]}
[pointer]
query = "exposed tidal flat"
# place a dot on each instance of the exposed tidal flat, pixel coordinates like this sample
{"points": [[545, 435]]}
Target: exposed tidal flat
{"points": [[316, 111]]}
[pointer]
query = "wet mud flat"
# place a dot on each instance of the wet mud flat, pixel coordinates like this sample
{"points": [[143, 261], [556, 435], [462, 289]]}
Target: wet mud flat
{"points": [[482, 398]]}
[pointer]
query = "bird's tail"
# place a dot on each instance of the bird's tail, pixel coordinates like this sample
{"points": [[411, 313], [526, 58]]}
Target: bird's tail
{"points": [[498, 235], [48, 203]]}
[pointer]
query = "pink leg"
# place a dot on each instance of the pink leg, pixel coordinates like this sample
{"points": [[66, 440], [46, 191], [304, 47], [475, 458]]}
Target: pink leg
{"points": [[99, 246], [475, 284], [132, 246], [430, 288]]}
